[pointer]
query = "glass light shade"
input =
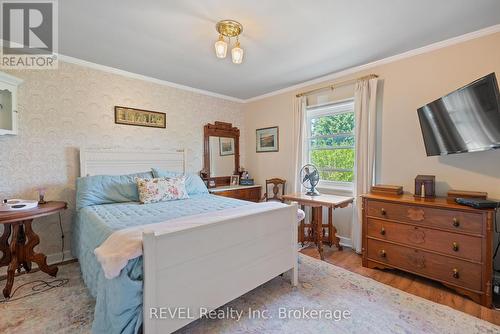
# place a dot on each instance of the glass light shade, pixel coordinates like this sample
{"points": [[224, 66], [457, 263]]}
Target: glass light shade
{"points": [[237, 54], [221, 48]]}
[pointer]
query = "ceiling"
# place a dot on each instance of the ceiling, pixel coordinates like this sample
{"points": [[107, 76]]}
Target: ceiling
{"points": [[286, 42]]}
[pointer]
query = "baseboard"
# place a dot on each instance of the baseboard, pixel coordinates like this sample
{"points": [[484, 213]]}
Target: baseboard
{"points": [[346, 242], [51, 259]]}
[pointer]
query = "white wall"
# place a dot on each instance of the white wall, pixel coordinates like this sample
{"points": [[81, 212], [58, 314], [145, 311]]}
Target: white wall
{"points": [[72, 107], [406, 85]]}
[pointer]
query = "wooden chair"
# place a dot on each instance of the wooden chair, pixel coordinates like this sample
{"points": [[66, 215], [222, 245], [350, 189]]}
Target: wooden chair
{"points": [[276, 183]]}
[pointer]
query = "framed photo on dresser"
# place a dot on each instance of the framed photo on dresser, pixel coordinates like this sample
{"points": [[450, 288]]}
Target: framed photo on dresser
{"points": [[211, 183], [235, 180]]}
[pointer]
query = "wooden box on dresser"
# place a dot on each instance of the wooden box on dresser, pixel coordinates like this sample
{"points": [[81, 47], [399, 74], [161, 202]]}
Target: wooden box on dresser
{"points": [[434, 238]]}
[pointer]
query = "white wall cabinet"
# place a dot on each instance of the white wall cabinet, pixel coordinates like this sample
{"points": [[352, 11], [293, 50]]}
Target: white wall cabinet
{"points": [[8, 104]]}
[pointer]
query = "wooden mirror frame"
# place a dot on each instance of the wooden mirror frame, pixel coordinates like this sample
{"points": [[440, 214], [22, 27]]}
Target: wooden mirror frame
{"points": [[220, 129]]}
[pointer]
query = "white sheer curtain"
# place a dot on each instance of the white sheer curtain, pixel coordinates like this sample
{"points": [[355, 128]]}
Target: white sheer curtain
{"points": [[299, 137], [365, 103]]}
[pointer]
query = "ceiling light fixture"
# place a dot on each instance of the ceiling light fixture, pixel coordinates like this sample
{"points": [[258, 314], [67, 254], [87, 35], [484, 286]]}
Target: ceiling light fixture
{"points": [[229, 29], [237, 53], [221, 47]]}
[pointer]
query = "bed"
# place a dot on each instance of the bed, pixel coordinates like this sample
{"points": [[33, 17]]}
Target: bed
{"points": [[193, 269]]}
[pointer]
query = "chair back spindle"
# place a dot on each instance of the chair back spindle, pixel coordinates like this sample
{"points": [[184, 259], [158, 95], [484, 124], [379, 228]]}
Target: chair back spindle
{"points": [[275, 194]]}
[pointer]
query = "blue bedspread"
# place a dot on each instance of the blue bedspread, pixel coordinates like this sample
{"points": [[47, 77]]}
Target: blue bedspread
{"points": [[119, 300]]}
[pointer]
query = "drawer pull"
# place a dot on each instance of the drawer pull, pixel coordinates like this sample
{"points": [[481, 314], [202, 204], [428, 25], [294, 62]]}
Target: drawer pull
{"points": [[456, 223], [382, 253], [383, 212], [455, 246], [455, 273], [382, 231]]}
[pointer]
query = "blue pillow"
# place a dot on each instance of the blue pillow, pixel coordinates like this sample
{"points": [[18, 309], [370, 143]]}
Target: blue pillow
{"points": [[194, 183], [104, 189]]}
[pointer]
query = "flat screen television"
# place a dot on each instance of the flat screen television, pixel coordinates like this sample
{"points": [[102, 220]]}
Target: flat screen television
{"points": [[466, 120]]}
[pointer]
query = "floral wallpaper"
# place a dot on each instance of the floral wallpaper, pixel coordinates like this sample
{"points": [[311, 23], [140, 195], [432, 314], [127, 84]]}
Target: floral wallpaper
{"points": [[71, 107]]}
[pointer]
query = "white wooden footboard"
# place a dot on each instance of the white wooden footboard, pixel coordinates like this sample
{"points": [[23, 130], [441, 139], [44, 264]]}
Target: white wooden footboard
{"points": [[210, 265]]}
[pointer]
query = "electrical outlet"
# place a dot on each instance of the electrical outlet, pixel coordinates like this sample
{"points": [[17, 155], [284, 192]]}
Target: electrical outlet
{"points": [[496, 288]]}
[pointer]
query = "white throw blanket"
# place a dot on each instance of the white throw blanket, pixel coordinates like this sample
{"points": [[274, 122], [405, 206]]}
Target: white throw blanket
{"points": [[124, 245]]}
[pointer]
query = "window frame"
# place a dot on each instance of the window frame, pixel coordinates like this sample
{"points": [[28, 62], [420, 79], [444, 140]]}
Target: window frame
{"points": [[339, 107]]}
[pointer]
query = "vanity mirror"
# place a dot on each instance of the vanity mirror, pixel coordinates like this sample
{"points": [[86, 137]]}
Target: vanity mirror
{"points": [[221, 152], [222, 163], [221, 156]]}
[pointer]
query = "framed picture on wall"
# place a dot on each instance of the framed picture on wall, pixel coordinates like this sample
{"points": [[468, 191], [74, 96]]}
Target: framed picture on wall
{"points": [[226, 146], [267, 139], [140, 117]]}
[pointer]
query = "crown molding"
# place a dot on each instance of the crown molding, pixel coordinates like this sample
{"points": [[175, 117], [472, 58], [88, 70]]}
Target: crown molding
{"points": [[332, 76], [10, 79], [113, 70], [425, 49]]}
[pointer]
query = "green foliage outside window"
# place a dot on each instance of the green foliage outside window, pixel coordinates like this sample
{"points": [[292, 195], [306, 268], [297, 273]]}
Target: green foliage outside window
{"points": [[337, 132], [333, 124]]}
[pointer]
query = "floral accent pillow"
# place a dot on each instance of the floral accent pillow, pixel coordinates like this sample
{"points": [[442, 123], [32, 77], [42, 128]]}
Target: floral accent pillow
{"points": [[161, 189]]}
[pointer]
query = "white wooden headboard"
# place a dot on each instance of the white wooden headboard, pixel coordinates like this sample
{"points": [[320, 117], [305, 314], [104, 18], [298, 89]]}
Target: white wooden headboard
{"points": [[97, 161]]}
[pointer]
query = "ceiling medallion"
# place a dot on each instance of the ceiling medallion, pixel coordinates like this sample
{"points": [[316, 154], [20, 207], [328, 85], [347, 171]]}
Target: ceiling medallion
{"points": [[229, 29]]}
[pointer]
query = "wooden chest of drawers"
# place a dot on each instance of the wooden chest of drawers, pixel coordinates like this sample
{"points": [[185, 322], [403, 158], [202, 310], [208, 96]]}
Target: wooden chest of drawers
{"points": [[247, 193], [434, 238]]}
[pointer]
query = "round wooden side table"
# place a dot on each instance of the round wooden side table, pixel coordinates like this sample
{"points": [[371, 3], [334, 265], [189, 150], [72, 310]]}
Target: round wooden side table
{"points": [[20, 252]]}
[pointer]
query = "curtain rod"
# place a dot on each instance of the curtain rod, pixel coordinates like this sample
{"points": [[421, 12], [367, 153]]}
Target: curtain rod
{"points": [[333, 86]]}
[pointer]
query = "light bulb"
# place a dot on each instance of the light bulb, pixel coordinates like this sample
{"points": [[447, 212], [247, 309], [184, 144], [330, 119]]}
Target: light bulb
{"points": [[221, 47], [237, 54]]}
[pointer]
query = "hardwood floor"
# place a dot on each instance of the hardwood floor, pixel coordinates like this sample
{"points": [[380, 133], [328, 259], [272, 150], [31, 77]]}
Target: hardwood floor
{"points": [[410, 283]]}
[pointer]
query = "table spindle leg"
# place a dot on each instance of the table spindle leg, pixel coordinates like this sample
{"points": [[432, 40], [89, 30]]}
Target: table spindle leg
{"points": [[4, 245], [11, 269], [39, 258], [318, 224]]}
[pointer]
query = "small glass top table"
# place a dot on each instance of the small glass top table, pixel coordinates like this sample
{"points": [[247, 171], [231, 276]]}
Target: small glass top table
{"points": [[316, 230]]}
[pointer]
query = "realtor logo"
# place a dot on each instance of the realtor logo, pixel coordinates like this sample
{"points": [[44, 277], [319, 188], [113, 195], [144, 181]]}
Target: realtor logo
{"points": [[29, 34]]}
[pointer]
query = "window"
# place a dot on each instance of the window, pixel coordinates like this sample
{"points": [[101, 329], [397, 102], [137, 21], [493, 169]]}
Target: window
{"points": [[330, 132]]}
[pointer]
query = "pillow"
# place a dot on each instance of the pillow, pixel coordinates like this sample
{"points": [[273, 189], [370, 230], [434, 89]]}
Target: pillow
{"points": [[194, 183], [105, 189], [161, 189]]}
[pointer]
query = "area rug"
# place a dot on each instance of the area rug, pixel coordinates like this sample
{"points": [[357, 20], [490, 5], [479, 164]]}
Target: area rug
{"points": [[328, 299], [37, 308]]}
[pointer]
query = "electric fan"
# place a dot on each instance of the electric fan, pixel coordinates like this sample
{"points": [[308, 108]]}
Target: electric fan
{"points": [[309, 177]]}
